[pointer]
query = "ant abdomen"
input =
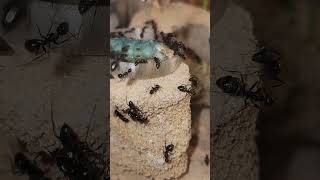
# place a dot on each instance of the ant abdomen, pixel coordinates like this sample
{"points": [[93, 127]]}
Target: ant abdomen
{"points": [[33, 45]]}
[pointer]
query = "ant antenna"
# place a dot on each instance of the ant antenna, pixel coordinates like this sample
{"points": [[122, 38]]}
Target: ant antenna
{"points": [[53, 124], [90, 121]]}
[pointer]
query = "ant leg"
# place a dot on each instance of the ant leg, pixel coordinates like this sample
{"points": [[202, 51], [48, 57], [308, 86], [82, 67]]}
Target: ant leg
{"points": [[59, 43], [280, 83], [78, 34], [52, 121], [38, 29], [253, 86], [90, 121]]}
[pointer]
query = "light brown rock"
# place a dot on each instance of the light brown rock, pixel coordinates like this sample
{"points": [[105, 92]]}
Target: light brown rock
{"points": [[137, 148]]}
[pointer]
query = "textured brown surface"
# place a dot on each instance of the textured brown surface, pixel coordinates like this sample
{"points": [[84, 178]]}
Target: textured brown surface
{"points": [[139, 148], [234, 148]]}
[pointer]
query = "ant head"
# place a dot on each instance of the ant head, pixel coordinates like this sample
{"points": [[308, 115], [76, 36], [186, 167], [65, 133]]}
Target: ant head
{"points": [[83, 7], [63, 28], [114, 65], [169, 148], [268, 100], [32, 45], [66, 132], [276, 67], [21, 162], [229, 84]]}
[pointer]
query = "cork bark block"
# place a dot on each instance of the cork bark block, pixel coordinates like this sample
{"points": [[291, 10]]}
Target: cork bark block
{"points": [[137, 149]]}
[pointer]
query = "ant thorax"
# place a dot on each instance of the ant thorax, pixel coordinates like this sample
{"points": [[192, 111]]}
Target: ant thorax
{"points": [[136, 53]]}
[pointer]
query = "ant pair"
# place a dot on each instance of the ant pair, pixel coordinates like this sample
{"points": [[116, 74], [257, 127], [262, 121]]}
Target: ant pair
{"points": [[190, 89], [133, 112]]}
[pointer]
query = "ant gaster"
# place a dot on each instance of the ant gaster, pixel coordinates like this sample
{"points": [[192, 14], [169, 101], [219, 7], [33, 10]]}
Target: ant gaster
{"points": [[234, 86]]}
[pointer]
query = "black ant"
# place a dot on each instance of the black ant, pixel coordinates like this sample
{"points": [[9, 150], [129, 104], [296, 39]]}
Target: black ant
{"points": [[26, 166], [206, 160], [169, 39], [125, 74], [234, 86], [154, 89], [76, 159], [135, 113], [270, 59], [190, 90], [34, 45], [167, 152], [121, 116]]}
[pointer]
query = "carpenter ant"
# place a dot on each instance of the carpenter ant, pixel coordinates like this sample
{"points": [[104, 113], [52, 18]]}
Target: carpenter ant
{"points": [[178, 47], [190, 90], [167, 152], [34, 45], [76, 159], [234, 86], [154, 89], [140, 62], [135, 113], [206, 160], [121, 116], [25, 166], [270, 59], [157, 61], [125, 74]]}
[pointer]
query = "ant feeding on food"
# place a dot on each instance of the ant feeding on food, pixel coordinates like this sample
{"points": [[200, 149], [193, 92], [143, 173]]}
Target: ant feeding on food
{"points": [[76, 159], [24, 165], [154, 89], [167, 152], [190, 89], [125, 74], [37, 46]]}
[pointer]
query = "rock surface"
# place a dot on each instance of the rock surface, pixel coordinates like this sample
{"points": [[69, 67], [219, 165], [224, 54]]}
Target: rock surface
{"points": [[234, 150], [138, 148]]}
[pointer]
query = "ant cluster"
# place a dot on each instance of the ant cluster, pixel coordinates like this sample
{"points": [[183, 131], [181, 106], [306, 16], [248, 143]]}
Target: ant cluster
{"points": [[137, 51], [256, 93], [190, 89], [76, 159], [133, 112]]}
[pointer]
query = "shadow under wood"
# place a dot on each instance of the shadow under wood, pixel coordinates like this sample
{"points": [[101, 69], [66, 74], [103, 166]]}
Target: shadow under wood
{"points": [[66, 65], [5, 49]]}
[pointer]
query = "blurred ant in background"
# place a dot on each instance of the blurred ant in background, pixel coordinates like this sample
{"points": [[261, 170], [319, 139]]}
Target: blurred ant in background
{"points": [[24, 165], [34, 45]]}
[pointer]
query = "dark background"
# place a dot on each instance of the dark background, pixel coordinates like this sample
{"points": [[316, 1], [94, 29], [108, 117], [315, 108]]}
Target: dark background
{"points": [[289, 138]]}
